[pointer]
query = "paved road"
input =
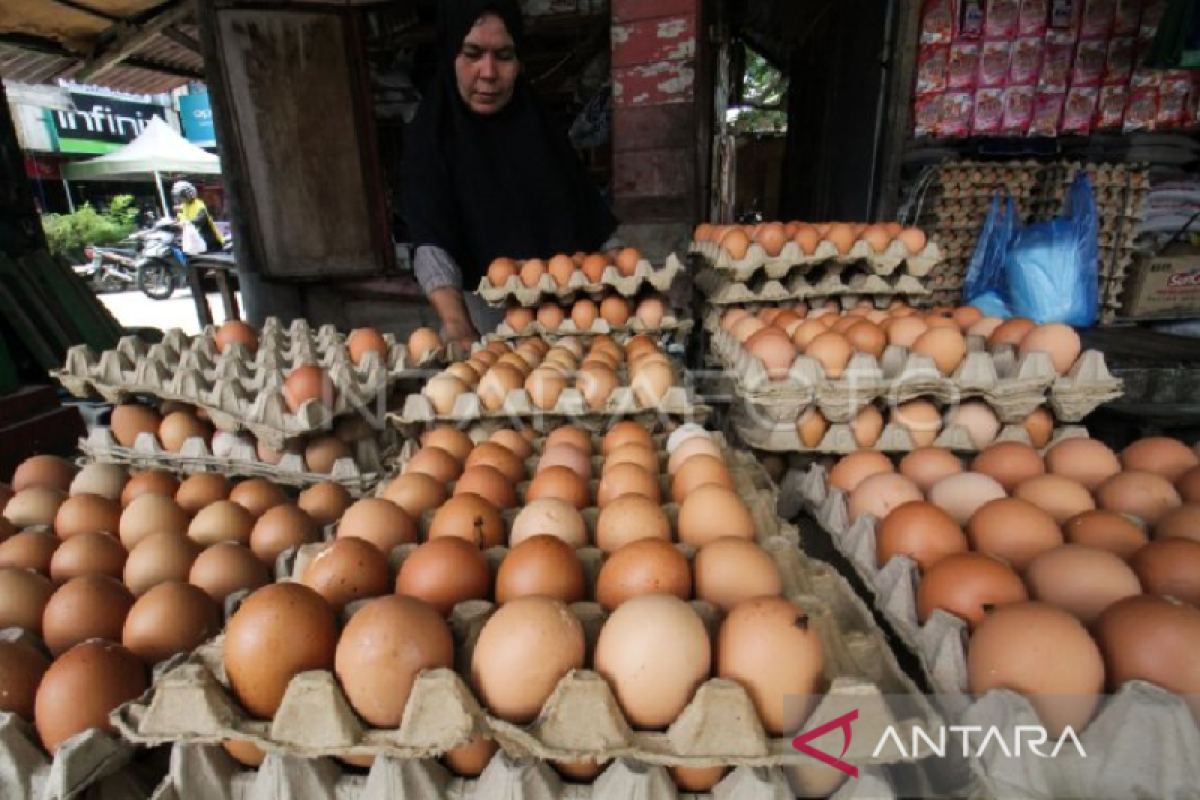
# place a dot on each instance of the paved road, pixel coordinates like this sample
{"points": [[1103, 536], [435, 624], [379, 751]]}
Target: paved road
{"points": [[135, 310]]}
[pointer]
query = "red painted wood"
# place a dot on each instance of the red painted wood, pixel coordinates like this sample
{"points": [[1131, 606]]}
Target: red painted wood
{"points": [[665, 82], [654, 173], [626, 10], [652, 41], [653, 127]]}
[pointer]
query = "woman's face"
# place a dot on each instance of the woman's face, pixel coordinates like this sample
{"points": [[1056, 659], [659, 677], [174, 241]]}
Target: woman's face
{"points": [[486, 67]]}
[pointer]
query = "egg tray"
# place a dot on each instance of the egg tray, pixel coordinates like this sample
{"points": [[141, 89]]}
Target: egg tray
{"points": [[611, 281], [671, 326], [792, 258], [721, 291], [1148, 734], [1013, 386], [208, 772], [93, 762], [358, 475], [234, 397]]}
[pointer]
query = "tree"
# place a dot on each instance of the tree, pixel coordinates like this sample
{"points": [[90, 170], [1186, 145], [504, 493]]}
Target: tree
{"points": [[763, 106], [68, 234]]}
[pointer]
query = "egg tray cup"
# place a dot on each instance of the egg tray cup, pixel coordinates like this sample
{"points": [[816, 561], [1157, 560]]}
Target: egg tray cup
{"points": [[671, 326], [722, 291], [235, 396], [208, 772], [359, 475], [611, 281], [792, 258], [1148, 734], [94, 761], [1014, 386]]}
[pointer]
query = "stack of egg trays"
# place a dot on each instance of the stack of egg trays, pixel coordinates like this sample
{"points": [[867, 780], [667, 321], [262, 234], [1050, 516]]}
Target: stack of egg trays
{"points": [[612, 281], [1143, 742], [92, 762], [191, 703], [207, 771], [240, 390], [1012, 386], [722, 290], [235, 457], [671, 329], [679, 402], [792, 259]]}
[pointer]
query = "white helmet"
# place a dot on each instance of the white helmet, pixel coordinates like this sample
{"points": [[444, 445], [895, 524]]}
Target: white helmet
{"points": [[184, 190]]}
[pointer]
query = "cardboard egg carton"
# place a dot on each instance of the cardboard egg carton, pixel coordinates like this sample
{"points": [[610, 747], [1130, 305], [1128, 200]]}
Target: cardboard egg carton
{"points": [[1013, 386], [1143, 738], [720, 290], [208, 772], [644, 275], [671, 326], [93, 763], [239, 458], [792, 258]]}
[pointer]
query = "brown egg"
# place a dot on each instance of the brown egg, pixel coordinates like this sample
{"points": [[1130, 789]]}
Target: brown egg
{"points": [[489, 483], [514, 441], [380, 522], [1145, 495], [1188, 485], [514, 668], [500, 270], [444, 572], [807, 332], [1152, 639], [1080, 580], [1105, 530], [322, 452], [150, 514], [1040, 427], [87, 513], [423, 343], [499, 382], [701, 470], [158, 483], [638, 454], [945, 346], [443, 392], [853, 469], [925, 466], [236, 332], [541, 565], [32, 550], [921, 419], [913, 239], [904, 331], [306, 384], [200, 490], [130, 420], [736, 243], [171, 618], [105, 480], [564, 455], [630, 518], [769, 646], [731, 570], [690, 447], [23, 597], [415, 493], [842, 237], [49, 472], [325, 502], [560, 483], [645, 566], [654, 651], [453, 441], [832, 351], [1057, 341], [382, 651], [1009, 463], [627, 479], [366, 340], [82, 687], [471, 517], [21, 670], [624, 434], [774, 350], [37, 505], [967, 585], [531, 272], [1009, 650], [984, 327], [978, 419], [921, 531], [1169, 458], [576, 437], [878, 494], [282, 528], [349, 569], [1014, 530], [258, 495], [1170, 568], [492, 454], [278, 632], [963, 494], [226, 568], [593, 267], [627, 260], [223, 521], [470, 760], [178, 428], [245, 753], [89, 553], [1180, 523], [160, 557], [713, 512], [1061, 497], [549, 516], [1085, 461], [561, 268], [87, 607], [1011, 332]]}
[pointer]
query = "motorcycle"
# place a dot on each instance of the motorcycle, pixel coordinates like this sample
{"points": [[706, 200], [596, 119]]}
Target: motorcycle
{"points": [[109, 269], [161, 265]]}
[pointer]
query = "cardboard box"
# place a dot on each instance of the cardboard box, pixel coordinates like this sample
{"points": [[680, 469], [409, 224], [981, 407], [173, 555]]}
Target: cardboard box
{"points": [[1164, 286]]}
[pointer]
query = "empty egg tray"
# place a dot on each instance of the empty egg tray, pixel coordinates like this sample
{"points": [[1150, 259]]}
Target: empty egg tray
{"points": [[720, 290], [791, 259], [612, 281], [1143, 740], [234, 456], [1013, 386]]}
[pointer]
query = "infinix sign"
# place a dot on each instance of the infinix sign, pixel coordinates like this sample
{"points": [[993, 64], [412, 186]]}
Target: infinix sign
{"points": [[100, 124]]}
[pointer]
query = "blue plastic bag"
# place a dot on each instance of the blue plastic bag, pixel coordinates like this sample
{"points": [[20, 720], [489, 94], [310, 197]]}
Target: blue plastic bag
{"points": [[1046, 272]]}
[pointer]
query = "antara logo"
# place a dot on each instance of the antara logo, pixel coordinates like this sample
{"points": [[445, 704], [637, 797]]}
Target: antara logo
{"points": [[842, 723]]}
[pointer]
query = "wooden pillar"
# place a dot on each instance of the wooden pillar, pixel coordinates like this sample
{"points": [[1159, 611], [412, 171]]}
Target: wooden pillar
{"points": [[661, 125]]}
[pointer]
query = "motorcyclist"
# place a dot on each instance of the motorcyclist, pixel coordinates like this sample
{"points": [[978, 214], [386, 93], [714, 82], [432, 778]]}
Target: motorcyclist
{"points": [[192, 209]]}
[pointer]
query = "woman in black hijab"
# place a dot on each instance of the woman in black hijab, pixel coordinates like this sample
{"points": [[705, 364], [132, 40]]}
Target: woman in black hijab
{"points": [[486, 173]]}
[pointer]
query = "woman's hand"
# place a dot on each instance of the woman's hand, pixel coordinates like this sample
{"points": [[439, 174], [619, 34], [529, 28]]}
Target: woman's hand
{"points": [[449, 304]]}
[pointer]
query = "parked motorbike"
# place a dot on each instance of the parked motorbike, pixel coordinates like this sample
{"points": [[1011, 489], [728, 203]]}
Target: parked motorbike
{"points": [[161, 265], [109, 269]]}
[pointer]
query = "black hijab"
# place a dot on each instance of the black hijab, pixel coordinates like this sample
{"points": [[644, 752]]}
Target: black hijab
{"points": [[506, 184]]}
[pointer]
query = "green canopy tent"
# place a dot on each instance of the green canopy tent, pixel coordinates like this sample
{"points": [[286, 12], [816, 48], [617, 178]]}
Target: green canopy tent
{"points": [[157, 150]]}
